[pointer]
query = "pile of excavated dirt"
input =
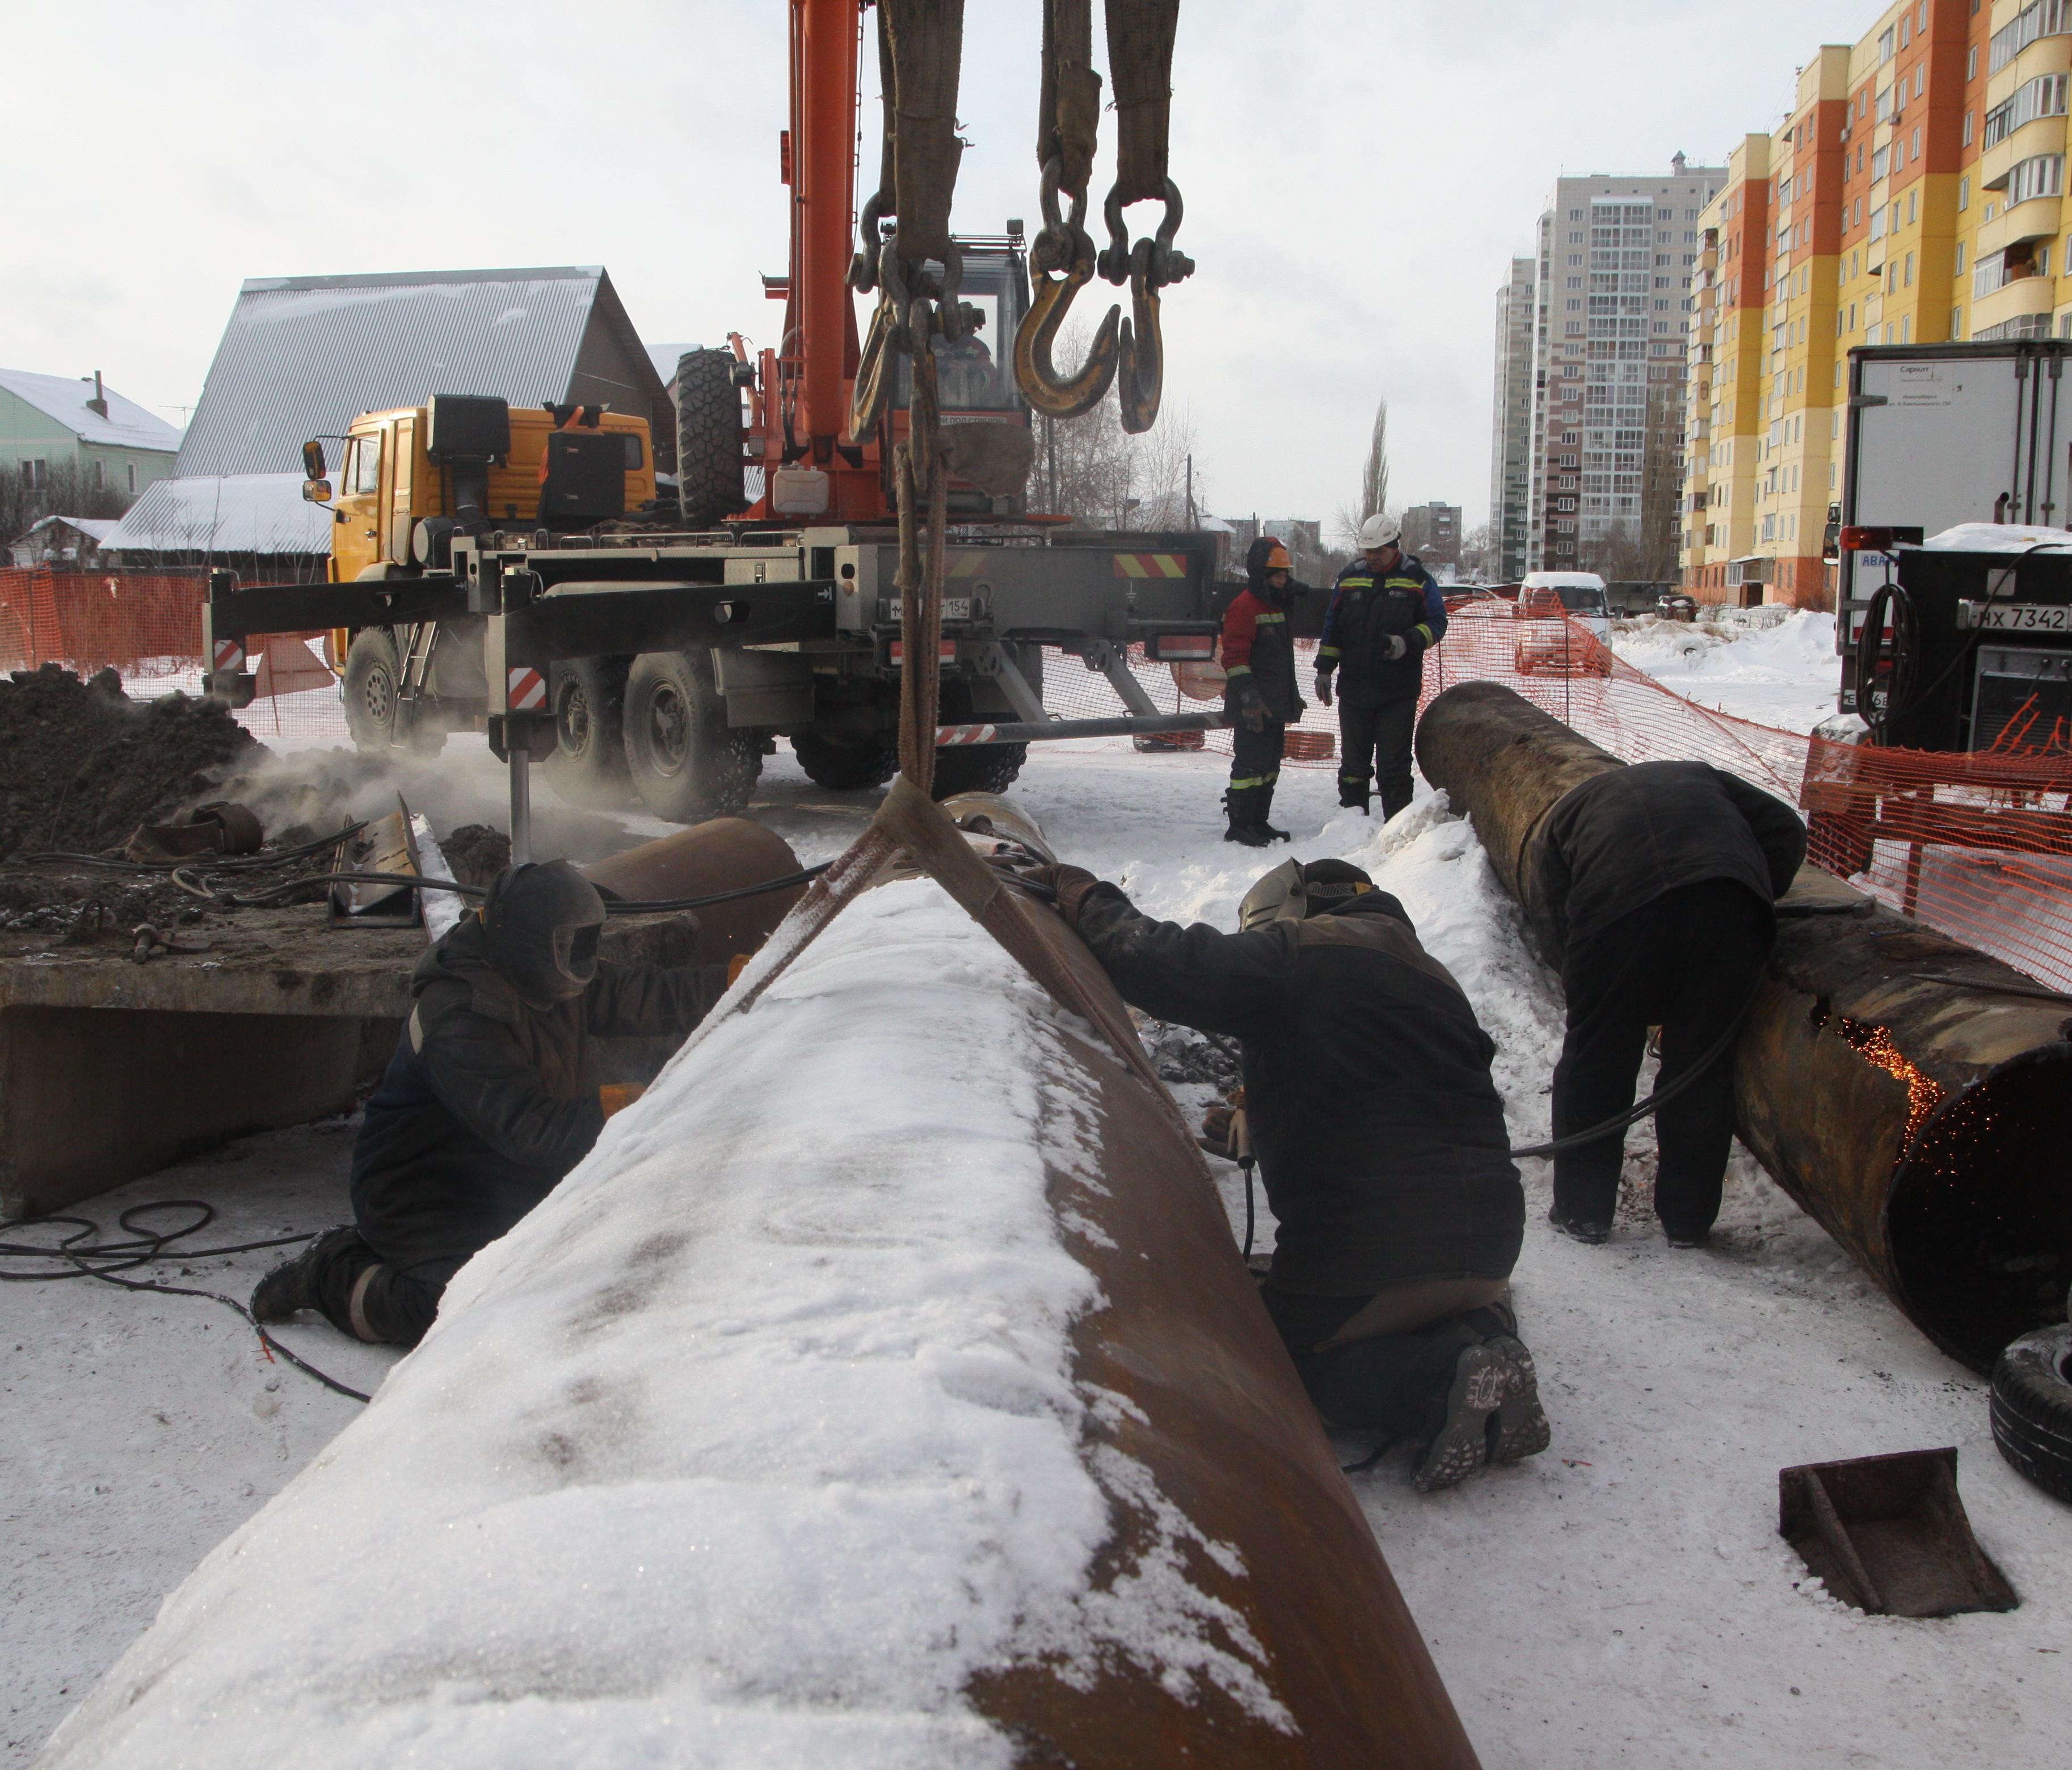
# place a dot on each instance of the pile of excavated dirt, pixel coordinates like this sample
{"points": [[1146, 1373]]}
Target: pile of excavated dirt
{"points": [[476, 852], [82, 764]]}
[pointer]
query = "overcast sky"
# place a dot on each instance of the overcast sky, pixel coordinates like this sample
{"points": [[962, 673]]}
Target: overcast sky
{"points": [[1357, 174]]}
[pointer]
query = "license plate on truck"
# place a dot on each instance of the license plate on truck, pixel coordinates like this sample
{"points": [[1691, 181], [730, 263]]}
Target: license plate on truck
{"points": [[2015, 617]]}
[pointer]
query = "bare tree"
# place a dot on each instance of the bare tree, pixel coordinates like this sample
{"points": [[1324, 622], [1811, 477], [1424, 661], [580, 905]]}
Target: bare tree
{"points": [[65, 488], [1374, 472], [1089, 468], [1480, 555]]}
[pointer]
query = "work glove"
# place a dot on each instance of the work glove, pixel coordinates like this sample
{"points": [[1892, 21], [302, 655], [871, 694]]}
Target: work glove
{"points": [[1066, 886], [1397, 647], [614, 1097], [1323, 688]]}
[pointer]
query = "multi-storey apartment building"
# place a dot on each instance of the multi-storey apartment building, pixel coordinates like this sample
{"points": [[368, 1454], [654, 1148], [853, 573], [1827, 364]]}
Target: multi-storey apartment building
{"points": [[1433, 532], [1913, 197], [1616, 255], [1511, 439]]}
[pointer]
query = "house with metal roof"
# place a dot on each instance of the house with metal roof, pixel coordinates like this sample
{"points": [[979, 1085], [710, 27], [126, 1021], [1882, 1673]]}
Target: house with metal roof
{"points": [[49, 423], [303, 356]]}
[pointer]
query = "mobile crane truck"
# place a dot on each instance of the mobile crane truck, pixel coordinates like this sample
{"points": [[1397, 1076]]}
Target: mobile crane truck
{"points": [[507, 567]]}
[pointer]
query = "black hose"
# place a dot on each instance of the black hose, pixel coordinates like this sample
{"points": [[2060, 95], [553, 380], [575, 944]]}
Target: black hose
{"points": [[148, 1246], [220, 863]]}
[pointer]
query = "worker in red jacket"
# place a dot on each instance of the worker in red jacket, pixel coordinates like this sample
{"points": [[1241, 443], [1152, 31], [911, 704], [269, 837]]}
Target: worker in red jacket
{"points": [[1259, 699]]}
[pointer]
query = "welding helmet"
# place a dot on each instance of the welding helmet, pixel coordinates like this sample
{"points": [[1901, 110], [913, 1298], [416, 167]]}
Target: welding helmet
{"points": [[1293, 891], [543, 921]]}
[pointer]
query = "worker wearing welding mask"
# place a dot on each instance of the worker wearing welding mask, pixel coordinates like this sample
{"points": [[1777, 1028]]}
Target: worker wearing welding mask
{"points": [[494, 1094], [1260, 699], [1381, 1140], [1654, 888], [1386, 612]]}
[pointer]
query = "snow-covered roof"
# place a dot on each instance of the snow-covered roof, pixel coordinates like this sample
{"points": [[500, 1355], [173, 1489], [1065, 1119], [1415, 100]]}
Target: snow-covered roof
{"points": [[234, 513], [99, 528], [303, 356], [1997, 538], [64, 397], [1563, 581]]}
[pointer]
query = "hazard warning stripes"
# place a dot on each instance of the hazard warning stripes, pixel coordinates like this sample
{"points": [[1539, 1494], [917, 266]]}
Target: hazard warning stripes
{"points": [[947, 735], [1150, 565], [525, 690], [230, 654]]}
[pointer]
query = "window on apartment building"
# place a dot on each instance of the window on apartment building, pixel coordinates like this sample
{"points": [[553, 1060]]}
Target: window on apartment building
{"points": [[1905, 329], [1957, 265], [1878, 164], [1920, 74], [1968, 128], [1575, 238], [2043, 260], [2043, 97], [1905, 31], [1573, 329], [1963, 195], [1575, 215], [1915, 153], [1909, 280], [1970, 70], [1885, 46], [2042, 175], [2041, 18], [1852, 316]]}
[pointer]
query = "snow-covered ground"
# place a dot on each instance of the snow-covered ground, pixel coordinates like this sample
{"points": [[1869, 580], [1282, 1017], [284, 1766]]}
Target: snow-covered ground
{"points": [[1623, 1598], [1787, 675]]}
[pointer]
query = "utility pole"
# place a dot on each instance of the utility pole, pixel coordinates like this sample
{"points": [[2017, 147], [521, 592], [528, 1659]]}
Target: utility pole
{"points": [[1050, 451], [1190, 489]]}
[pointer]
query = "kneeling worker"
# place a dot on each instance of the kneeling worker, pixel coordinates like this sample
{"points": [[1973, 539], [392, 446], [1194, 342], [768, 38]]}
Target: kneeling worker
{"points": [[492, 1096], [1261, 697], [1655, 887], [1381, 1141]]}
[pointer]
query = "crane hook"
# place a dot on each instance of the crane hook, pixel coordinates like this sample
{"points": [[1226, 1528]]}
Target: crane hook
{"points": [[1140, 381], [1062, 245]]}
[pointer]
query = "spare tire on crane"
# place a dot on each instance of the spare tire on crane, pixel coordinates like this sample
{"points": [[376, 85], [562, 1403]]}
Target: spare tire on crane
{"points": [[710, 485]]}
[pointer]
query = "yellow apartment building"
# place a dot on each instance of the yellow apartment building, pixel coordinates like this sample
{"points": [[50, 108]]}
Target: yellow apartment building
{"points": [[1935, 139]]}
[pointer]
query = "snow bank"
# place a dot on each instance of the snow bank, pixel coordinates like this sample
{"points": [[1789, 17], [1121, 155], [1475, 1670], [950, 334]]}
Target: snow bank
{"points": [[1787, 675], [1997, 538], [752, 1445]]}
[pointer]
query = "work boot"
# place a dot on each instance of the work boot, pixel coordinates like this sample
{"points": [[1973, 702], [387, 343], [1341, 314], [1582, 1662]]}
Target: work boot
{"points": [[1242, 805], [1518, 1429], [1579, 1229], [1259, 817], [1482, 1378], [291, 1286], [1685, 1237]]}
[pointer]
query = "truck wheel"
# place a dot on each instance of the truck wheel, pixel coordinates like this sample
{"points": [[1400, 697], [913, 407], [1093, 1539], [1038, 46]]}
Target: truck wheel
{"points": [[2032, 1408], [371, 673], [684, 762], [588, 695], [709, 464], [978, 768], [844, 767]]}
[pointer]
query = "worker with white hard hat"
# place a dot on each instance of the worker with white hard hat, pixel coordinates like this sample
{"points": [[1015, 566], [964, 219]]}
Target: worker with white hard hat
{"points": [[1386, 612]]}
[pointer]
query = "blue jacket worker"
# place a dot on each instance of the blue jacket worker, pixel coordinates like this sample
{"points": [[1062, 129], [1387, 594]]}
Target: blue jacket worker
{"points": [[1386, 612]]}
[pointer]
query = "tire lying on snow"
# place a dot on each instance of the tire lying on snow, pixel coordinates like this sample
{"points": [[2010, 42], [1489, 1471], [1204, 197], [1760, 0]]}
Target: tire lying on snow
{"points": [[684, 762], [2032, 1408]]}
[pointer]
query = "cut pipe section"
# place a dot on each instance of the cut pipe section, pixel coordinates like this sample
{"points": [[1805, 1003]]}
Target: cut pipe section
{"points": [[1913, 1095]]}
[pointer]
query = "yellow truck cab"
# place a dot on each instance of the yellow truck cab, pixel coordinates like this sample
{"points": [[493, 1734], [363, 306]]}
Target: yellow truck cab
{"points": [[407, 474]]}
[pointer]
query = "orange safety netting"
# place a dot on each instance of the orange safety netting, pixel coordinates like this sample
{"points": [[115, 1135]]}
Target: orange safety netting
{"points": [[1976, 844], [146, 627]]}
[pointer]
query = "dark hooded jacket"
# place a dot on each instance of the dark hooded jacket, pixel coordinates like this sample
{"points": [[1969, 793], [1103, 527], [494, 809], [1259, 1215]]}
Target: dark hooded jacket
{"points": [[1366, 610], [488, 1102], [1380, 1136], [1626, 836], [1258, 647]]}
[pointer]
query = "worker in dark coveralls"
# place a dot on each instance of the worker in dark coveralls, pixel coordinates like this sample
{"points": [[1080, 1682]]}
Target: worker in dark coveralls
{"points": [[1385, 613], [1655, 886], [1260, 698], [1382, 1143], [492, 1096]]}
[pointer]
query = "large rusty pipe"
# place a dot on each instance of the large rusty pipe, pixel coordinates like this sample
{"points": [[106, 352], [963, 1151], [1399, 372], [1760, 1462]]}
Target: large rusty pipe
{"points": [[1913, 1095], [1221, 1493], [723, 855]]}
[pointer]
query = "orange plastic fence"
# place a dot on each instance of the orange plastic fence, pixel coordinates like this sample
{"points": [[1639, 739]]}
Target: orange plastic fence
{"points": [[1978, 845]]}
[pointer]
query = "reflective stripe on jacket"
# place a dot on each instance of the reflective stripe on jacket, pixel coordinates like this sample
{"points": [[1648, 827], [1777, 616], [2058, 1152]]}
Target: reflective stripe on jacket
{"points": [[1365, 609], [1256, 643]]}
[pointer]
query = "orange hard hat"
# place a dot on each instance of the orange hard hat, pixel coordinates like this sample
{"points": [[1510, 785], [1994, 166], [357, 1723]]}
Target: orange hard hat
{"points": [[1277, 559]]}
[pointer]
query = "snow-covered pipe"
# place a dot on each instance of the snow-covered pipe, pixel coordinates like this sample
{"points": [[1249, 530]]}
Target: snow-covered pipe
{"points": [[1913, 1095], [884, 1389]]}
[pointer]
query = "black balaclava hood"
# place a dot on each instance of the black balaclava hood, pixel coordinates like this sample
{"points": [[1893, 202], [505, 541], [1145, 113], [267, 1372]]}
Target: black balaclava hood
{"points": [[542, 922]]}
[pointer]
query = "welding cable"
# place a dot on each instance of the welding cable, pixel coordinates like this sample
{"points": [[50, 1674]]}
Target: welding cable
{"points": [[108, 1259], [221, 863], [614, 906]]}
